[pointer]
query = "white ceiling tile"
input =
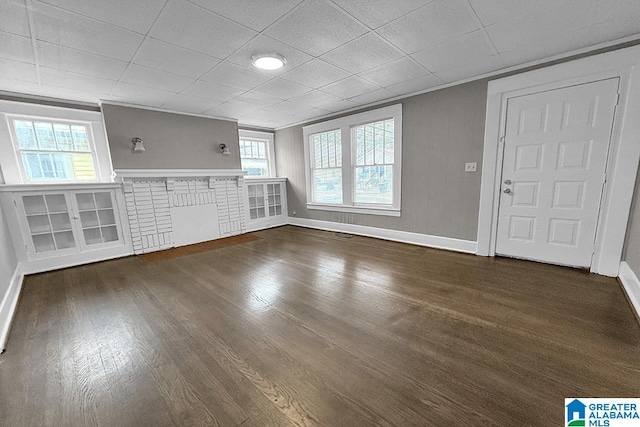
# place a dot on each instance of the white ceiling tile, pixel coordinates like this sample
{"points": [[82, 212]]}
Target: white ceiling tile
{"points": [[288, 107], [415, 85], [135, 94], [17, 70], [64, 58], [460, 51], [233, 109], [340, 106], [281, 89], [135, 15], [189, 104], [434, 23], [257, 99], [316, 27], [606, 10], [394, 72], [553, 23], [17, 48], [264, 44], [19, 86], [79, 82], [315, 98], [60, 27], [362, 54], [174, 59], [349, 87], [493, 11], [235, 76], [212, 91], [191, 26], [315, 74], [374, 96], [13, 17], [145, 76], [375, 13], [477, 68], [257, 15], [69, 94]]}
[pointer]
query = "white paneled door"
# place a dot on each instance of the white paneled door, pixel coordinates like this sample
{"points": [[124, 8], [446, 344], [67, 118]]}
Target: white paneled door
{"points": [[555, 154]]}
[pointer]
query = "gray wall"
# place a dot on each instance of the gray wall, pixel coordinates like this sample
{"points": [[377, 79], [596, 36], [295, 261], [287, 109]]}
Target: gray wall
{"points": [[632, 247], [442, 130], [8, 260], [172, 141]]}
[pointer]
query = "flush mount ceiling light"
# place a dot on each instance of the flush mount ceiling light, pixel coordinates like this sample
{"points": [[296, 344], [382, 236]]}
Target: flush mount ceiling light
{"points": [[268, 61]]}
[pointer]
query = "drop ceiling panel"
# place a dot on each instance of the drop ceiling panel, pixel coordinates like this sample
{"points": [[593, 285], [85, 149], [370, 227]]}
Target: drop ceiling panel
{"points": [[281, 89], [477, 68], [66, 79], [316, 27], [400, 70], [135, 94], [70, 94], [212, 91], [17, 70], [145, 76], [235, 76], [415, 85], [373, 96], [316, 98], [135, 15], [17, 48], [64, 58], [257, 15], [191, 26], [315, 74], [364, 53], [233, 109], [437, 22], [263, 44], [13, 17], [493, 11], [174, 59], [189, 104], [460, 51], [349, 87], [19, 86], [64, 28], [375, 13]]}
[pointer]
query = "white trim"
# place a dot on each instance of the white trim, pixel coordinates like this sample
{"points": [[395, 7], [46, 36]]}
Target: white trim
{"points": [[346, 125], [264, 226], [419, 239], [263, 179], [176, 173], [8, 305], [269, 137], [59, 262], [623, 158], [631, 285], [161, 110], [59, 187], [354, 209]]}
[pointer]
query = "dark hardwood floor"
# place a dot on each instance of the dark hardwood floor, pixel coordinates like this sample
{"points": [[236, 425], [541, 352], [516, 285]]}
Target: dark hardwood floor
{"points": [[305, 327]]}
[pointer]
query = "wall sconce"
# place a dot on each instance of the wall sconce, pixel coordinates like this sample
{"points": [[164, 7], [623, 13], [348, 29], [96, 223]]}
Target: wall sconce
{"points": [[138, 146], [224, 149]]}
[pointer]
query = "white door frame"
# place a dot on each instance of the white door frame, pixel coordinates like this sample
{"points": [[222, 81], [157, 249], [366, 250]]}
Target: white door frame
{"points": [[624, 151]]}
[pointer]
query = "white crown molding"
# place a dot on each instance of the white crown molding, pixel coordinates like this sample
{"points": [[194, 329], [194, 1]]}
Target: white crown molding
{"points": [[59, 187], [162, 110], [176, 173]]}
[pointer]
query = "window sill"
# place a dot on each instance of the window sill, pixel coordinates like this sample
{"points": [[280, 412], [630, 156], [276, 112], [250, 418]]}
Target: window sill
{"points": [[355, 209]]}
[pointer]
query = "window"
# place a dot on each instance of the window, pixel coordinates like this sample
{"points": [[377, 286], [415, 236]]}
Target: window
{"points": [[353, 163], [53, 151], [256, 156]]}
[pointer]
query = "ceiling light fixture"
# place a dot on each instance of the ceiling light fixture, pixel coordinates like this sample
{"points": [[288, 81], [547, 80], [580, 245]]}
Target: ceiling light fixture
{"points": [[268, 61]]}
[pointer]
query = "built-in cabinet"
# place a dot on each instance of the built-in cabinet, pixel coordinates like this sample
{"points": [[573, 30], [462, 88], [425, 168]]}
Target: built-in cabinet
{"points": [[66, 225], [266, 202]]}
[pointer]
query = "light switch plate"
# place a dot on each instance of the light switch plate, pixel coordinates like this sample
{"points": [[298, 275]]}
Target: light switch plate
{"points": [[470, 167]]}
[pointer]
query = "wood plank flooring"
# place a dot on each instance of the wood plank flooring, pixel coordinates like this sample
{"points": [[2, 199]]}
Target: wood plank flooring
{"points": [[304, 327]]}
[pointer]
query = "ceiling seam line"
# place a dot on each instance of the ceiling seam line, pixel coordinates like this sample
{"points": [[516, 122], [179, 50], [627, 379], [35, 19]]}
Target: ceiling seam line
{"points": [[34, 41]]}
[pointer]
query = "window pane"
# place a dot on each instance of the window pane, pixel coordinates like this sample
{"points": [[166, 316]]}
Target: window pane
{"points": [[80, 139], [32, 166], [47, 165], [374, 184], [83, 167], [327, 186], [389, 136], [62, 166], [255, 167], [44, 133], [359, 146], [327, 149], [63, 137], [378, 143], [262, 150], [25, 134]]}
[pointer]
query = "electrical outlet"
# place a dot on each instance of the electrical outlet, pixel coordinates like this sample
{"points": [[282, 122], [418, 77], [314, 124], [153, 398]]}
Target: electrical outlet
{"points": [[470, 167]]}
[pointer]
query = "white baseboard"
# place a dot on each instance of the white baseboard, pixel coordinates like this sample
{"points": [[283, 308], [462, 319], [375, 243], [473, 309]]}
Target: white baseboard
{"points": [[631, 285], [9, 304], [59, 262], [458, 245], [263, 226]]}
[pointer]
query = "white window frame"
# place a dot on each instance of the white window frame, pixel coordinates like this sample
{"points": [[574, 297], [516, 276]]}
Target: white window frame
{"points": [[269, 138], [13, 171], [346, 125]]}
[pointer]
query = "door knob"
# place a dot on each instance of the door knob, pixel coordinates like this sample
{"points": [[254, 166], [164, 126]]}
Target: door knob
{"points": [[507, 191], [507, 181]]}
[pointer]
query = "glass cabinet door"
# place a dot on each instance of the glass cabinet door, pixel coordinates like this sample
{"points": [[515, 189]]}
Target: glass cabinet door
{"points": [[49, 222], [274, 199], [256, 201], [97, 217]]}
